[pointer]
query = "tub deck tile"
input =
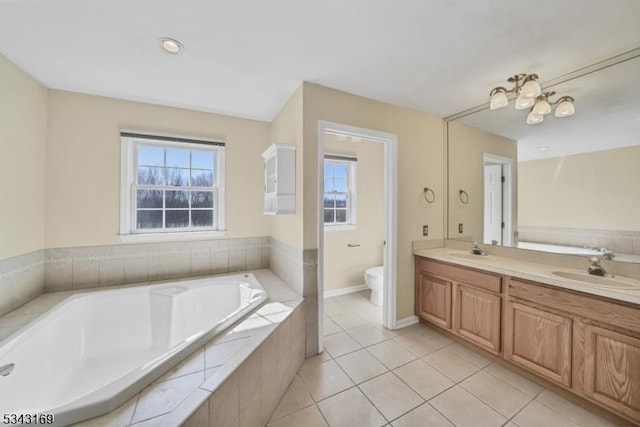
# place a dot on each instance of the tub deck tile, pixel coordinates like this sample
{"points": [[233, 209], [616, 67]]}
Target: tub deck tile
{"points": [[163, 397]]}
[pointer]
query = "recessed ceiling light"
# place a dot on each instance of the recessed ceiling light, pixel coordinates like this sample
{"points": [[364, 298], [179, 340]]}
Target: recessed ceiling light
{"points": [[170, 45], [544, 148]]}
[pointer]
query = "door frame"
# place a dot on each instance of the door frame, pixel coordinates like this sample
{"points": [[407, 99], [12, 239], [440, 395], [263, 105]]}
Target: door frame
{"points": [[509, 201], [390, 142]]}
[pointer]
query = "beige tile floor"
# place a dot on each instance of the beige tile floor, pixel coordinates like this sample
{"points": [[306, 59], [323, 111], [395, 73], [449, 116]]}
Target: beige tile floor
{"points": [[369, 376]]}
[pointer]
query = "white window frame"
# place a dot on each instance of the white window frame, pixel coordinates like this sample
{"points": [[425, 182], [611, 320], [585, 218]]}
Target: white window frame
{"points": [[352, 197], [128, 186]]}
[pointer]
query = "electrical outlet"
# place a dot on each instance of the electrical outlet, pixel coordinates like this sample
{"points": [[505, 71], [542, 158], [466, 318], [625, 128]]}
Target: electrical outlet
{"points": [[425, 230], [460, 228]]}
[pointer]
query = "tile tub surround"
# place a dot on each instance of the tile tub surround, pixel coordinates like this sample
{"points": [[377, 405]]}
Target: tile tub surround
{"points": [[53, 270], [413, 377], [251, 365], [299, 268], [95, 266], [21, 280], [618, 241]]}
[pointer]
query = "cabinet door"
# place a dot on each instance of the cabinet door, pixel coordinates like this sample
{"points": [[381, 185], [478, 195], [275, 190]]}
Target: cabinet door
{"points": [[539, 341], [476, 317], [612, 369], [434, 300], [270, 175]]}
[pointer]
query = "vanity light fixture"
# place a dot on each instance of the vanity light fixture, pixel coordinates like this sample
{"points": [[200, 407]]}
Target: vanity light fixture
{"points": [[529, 95], [170, 45]]}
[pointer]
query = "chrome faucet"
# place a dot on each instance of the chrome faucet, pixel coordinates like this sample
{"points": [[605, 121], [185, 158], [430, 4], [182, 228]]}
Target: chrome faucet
{"points": [[595, 268], [476, 250], [606, 253]]}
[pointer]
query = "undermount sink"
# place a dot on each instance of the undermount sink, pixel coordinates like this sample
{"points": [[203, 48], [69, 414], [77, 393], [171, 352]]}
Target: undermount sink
{"points": [[472, 257], [605, 282]]}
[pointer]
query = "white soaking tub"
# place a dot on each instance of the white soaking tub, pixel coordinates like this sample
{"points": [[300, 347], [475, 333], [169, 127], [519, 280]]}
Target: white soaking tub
{"points": [[95, 350]]}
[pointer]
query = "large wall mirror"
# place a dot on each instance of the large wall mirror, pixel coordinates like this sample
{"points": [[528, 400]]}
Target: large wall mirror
{"points": [[566, 185]]}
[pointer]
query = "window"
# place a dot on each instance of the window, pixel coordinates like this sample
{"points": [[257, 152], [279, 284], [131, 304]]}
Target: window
{"points": [[171, 184], [339, 190]]}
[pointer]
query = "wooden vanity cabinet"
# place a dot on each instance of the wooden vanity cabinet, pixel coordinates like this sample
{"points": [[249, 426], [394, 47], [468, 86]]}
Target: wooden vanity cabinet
{"points": [[466, 301], [584, 342], [588, 345]]}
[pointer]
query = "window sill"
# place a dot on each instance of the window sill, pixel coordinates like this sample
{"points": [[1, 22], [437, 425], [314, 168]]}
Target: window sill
{"points": [[168, 237], [347, 227]]}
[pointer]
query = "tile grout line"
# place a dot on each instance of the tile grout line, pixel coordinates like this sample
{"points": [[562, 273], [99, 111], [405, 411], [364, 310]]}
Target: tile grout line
{"points": [[558, 412], [389, 370], [426, 401], [134, 408], [373, 404], [357, 385], [321, 414], [527, 404], [280, 401]]}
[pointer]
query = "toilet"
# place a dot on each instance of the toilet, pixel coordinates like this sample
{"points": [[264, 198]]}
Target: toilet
{"points": [[374, 278]]}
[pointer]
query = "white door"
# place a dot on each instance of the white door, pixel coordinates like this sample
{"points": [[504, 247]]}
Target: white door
{"points": [[492, 204]]}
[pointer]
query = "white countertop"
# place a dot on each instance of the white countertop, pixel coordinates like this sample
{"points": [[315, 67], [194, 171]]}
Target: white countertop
{"points": [[533, 271]]}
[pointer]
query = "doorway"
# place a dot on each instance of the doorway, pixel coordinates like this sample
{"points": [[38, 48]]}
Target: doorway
{"points": [[337, 209], [499, 200]]}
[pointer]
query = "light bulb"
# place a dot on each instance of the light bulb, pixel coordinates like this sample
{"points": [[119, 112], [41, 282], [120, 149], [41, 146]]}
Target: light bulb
{"points": [[542, 107], [170, 45], [524, 103], [534, 119], [498, 99], [531, 88], [565, 108]]}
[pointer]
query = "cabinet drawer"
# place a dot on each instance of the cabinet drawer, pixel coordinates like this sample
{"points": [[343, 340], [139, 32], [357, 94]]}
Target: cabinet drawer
{"points": [[475, 278]]}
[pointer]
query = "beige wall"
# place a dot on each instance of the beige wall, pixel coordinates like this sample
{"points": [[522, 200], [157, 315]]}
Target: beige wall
{"points": [[23, 136], [286, 128], [83, 164], [466, 148], [345, 266], [599, 190], [420, 164]]}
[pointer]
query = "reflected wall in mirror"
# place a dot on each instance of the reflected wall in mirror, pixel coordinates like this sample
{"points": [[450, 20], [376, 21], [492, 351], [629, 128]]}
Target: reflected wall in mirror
{"points": [[567, 185]]}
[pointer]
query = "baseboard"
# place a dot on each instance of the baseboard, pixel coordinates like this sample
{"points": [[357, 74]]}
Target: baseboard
{"points": [[407, 321], [343, 291]]}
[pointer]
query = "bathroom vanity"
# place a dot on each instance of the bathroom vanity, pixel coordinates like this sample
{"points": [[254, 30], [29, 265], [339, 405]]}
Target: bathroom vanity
{"points": [[584, 338]]}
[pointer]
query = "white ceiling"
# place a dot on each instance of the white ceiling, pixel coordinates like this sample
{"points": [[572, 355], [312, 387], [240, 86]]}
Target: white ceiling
{"points": [[245, 58]]}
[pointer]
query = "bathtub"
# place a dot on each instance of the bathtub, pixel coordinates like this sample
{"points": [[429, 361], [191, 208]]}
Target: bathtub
{"points": [[95, 350], [559, 249]]}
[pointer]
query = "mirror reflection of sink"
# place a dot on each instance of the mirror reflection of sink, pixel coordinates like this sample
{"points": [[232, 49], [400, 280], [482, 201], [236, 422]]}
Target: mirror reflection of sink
{"points": [[605, 282], [472, 257]]}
